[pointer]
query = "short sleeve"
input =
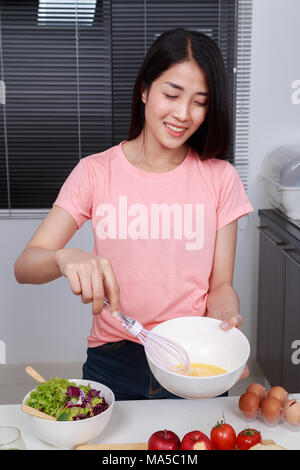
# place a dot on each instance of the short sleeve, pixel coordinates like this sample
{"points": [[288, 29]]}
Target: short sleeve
{"points": [[75, 194], [233, 201]]}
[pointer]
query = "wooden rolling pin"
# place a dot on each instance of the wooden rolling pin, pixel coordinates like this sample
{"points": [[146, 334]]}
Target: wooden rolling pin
{"points": [[127, 446]]}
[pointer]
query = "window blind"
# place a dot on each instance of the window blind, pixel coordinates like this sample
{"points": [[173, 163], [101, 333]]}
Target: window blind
{"points": [[57, 71], [241, 90], [69, 68]]}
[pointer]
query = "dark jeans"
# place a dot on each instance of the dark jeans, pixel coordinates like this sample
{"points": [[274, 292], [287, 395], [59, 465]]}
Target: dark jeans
{"points": [[122, 366]]}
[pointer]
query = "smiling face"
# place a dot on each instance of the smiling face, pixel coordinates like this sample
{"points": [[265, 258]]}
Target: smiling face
{"points": [[175, 106]]}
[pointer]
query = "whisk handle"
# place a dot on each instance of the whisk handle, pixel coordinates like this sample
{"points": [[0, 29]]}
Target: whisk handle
{"points": [[135, 329], [132, 326]]}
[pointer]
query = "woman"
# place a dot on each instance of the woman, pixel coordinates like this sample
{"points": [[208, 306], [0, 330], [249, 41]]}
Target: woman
{"points": [[164, 207]]}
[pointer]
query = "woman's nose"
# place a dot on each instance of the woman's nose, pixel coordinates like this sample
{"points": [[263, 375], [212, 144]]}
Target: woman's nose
{"points": [[181, 112]]}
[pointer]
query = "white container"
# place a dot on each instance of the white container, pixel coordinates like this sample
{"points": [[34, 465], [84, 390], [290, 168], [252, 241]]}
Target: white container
{"points": [[281, 177], [68, 434], [207, 343]]}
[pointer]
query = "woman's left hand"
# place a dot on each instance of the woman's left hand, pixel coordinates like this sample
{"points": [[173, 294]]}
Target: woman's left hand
{"points": [[230, 320]]}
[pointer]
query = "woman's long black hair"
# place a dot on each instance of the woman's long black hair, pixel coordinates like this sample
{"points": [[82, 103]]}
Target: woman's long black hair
{"points": [[212, 139]]}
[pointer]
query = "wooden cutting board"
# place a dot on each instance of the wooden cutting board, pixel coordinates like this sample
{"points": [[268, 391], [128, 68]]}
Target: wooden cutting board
{"points": [[144, 446], [126, 446]]}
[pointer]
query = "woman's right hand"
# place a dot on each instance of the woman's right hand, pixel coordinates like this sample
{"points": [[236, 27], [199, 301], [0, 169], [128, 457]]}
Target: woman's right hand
{"points": [[90, 276]]}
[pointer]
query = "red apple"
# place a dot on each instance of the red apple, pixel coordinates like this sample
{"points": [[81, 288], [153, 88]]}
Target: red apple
{"points": [[195, 440], [164, 440]]}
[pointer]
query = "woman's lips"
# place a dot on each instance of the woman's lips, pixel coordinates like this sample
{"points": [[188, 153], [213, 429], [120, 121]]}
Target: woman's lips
{"points": [[174, 130]]}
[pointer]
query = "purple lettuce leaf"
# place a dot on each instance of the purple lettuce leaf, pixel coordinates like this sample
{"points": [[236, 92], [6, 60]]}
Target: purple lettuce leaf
{"points": [[78, 417], [73, 391]]}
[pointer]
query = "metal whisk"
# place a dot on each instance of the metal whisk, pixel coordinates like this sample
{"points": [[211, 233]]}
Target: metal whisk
{"points": [[163, 351]]}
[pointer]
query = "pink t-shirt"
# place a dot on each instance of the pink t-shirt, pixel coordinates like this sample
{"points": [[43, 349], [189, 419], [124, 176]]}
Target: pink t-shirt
{"points": [[157, 229]]}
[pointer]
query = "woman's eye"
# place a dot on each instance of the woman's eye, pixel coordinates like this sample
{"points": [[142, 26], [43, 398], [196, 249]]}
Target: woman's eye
{"points": [[172, 97]]}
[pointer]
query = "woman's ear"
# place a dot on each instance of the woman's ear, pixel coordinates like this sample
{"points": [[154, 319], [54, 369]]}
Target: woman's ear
{"points": [[143, 95]]}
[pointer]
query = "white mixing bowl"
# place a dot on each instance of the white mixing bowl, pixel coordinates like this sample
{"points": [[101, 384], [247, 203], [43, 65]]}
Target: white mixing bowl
{"points": [[205, 343], [68, 434]]}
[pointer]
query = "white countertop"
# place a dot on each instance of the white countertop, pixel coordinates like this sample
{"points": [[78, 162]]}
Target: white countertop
{"points": [[135, 421]]}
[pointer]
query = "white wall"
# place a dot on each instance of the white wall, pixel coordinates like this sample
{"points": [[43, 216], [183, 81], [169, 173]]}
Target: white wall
{"points": [[49, 324], [44, 323]]}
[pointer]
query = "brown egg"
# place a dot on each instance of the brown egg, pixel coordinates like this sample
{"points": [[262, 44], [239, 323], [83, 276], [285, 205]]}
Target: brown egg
{"points": [[258, 389], [271, 409], [291, 411], [249, 404], [280, 393]]}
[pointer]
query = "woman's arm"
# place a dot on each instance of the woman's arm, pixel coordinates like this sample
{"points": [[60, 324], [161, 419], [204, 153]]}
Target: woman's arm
{"points": [[37, 264], [222, 301], [44, 259]]}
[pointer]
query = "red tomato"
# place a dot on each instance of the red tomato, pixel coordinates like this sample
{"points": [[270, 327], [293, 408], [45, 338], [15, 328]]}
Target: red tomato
{"points": [[223, 437], [248, 438]]}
